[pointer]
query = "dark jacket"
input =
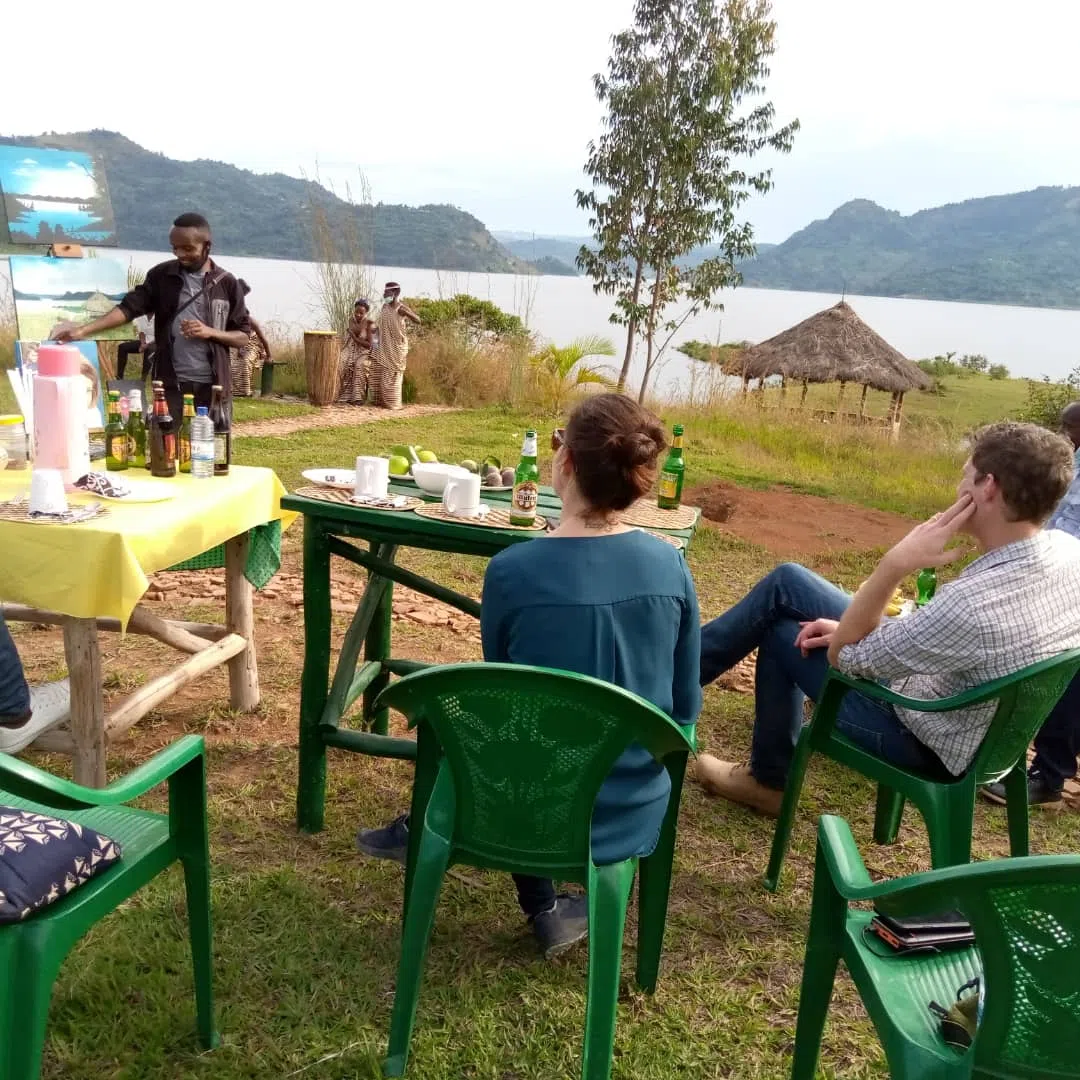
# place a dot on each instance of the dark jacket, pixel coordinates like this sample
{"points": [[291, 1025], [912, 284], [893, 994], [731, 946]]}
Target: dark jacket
{"points": [[159, 296]]}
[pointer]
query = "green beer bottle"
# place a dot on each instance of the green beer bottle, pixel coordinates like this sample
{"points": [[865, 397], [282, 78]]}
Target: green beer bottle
{"points": [[183, 446], [671, 475], [526, 484], [925, 586], [136, 429], [116, 438]]}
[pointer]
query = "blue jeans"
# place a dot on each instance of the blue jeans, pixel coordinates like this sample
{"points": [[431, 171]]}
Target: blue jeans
{"points": [[1058, 741], [14, 693], [767, 619]]}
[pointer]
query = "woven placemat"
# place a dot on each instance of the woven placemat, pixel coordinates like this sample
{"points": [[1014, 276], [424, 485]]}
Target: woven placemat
{"points": [[674, 541], [345, 499], [495, 518], [20, 511], [646, 513]]}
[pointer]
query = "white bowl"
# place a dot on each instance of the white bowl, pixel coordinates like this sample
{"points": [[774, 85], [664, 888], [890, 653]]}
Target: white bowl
{"points": [[432, 475]]}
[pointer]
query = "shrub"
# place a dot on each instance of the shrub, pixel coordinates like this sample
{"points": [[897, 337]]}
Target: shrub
{"points": [[479, 315], [1046, 399], [998, 371]]}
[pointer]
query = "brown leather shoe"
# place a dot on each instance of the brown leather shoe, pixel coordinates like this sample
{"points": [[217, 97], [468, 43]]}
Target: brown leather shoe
{"points": [[737, 784]]}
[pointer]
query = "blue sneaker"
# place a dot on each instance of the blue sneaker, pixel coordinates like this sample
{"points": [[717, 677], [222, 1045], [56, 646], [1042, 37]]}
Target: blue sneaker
{"points": [[389, 842]]}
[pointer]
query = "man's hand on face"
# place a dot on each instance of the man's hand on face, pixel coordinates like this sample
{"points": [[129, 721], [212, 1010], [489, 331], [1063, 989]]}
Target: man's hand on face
{"points": [[192, 328], [925, 545], [815, 635]]}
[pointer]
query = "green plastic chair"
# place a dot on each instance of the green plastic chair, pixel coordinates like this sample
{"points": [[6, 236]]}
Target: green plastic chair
{"points": [[509, 763], [1024, 699], [1025, 913], [32, 951]]}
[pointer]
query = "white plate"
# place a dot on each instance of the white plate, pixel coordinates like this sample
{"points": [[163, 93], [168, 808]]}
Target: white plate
{"points": [[140, 493], [339, 479], [502, 487], [405, 478]]}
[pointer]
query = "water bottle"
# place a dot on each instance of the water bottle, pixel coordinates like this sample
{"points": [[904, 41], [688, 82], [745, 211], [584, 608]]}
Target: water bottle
{"points": [[202, 445]]}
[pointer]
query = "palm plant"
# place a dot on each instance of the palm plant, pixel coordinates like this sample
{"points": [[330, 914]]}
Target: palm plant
{"points": [[561, 373]]}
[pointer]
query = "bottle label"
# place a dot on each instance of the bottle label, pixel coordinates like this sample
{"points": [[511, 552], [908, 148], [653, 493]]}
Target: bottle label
{"points": [[676, 442], [185, 450], [523, 503], [169, 441], [221, 449], [669, 485]]}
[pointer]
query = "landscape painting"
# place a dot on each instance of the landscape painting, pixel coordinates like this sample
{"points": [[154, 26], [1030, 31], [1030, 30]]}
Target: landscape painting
{"points": [[50, 291], [55, 196]]}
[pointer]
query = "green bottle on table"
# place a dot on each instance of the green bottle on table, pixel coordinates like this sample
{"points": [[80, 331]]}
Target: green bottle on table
{"points": [[526, 484], [136, 429], [671, 475], [183, 446], [116, 437]]}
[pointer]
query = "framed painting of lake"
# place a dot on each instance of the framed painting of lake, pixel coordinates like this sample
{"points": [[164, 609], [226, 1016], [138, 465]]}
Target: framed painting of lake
{"points": [[50, 292], [55, 196]]}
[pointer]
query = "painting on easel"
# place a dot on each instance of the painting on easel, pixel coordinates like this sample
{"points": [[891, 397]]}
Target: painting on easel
{"points": [[55, 197], [52, 292]]}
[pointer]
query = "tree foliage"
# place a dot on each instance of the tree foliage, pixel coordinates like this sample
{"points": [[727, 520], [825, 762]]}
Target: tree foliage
{"points": [[561, 372], [1047, 398], [480, 315], [670, 170]]}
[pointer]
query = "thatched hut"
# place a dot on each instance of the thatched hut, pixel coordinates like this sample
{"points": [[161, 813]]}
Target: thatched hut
{"points": [[836, 346]]}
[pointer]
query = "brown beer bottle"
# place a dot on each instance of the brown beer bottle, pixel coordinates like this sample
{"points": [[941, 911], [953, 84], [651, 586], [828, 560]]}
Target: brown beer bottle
{"points": [[162, 436]]}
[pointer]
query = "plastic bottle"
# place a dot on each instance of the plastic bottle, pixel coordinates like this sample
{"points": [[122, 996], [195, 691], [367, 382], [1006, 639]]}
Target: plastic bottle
{"points": [[202, 445]]}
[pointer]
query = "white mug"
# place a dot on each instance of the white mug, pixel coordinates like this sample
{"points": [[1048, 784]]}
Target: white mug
{"points": [[372, 476], [47, 491], [461, 496]]}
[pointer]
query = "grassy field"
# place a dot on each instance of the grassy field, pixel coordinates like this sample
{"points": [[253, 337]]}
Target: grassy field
{"points": [[307, 931]]}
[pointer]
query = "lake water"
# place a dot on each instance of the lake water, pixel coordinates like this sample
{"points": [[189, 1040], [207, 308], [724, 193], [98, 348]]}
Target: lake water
{"points": [[1031, 342]]}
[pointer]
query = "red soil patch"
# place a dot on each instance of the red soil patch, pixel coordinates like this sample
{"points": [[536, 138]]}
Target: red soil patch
{"points": [[793, 525]]}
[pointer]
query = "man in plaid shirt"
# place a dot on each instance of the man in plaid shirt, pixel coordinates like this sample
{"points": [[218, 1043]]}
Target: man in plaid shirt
{"points": [[1013, 606], [1058, 742]]}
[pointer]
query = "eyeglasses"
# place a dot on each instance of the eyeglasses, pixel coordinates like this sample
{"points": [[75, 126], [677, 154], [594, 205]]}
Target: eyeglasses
{"points": [[558, 438]]}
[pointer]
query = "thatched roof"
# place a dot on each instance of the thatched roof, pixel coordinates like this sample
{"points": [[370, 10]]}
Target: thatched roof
{"points": [[834, 345]]}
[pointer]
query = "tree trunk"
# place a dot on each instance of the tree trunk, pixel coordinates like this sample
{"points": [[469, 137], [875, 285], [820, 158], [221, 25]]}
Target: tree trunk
{"points": [[631, 331], [805, 388], [650, 337], [862, 400]]}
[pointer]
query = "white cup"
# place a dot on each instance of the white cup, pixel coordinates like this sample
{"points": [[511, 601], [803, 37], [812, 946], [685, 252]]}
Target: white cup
{"points": [[461, 496], [372, 476], [47, 492]]}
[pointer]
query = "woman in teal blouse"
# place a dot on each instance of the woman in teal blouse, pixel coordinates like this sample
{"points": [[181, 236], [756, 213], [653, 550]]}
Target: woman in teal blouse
{"points": [[598, 598]]}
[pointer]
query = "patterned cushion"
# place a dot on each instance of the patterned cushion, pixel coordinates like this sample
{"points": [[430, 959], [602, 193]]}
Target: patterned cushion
{"points": [[44, 858]]}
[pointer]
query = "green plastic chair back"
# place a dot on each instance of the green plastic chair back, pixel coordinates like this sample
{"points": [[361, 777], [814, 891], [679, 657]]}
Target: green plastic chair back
{"points": [[1025, 913], [510, 759], [32, 951], [1024, 700]]}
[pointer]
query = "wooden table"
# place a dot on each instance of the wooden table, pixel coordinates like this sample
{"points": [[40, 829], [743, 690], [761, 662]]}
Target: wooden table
{"points": [[87, 578], [328, 526]]}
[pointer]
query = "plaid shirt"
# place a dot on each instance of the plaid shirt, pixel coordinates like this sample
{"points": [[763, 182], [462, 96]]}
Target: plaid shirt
{"points": [[1012, 607], [1066, 515]]}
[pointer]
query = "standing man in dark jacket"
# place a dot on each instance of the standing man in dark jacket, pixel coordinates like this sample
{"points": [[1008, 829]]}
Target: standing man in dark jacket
{"points": [[198, 311]]}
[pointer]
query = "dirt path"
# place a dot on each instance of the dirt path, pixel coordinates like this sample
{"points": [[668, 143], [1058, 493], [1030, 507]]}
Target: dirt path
{"points": [[332, 416], [791, 524]]}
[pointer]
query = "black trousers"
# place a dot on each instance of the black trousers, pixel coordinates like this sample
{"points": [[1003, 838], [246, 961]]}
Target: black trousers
{"points": [[174, 395], [1058, 741]]}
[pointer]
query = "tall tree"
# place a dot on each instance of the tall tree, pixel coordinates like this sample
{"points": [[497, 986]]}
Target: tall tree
{"points": [[670, 170]]}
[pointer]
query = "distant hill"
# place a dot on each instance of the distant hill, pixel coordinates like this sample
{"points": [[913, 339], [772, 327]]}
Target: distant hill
{"points": [[1005, 249], [269, 215]]}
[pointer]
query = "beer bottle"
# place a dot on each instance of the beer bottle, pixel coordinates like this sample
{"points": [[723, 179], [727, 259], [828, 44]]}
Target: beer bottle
{"points": [[136, 429], [925, 586], [183, 443], [526, 484], [219, 414], [671, 475], [162, 436], [116, 438]]}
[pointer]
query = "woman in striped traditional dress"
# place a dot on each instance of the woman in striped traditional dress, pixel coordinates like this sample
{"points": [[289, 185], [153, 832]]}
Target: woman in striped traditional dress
{"points": [[355, 372], [393, 347], [243, 363]]}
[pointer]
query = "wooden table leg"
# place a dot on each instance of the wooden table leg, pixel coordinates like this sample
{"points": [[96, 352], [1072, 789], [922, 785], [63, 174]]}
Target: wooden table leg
{"points": [[87, 707], [240, 619], [314, 684]]}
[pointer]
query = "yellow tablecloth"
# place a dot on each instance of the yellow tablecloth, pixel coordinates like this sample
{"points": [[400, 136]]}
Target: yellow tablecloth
{"points": [[100, 568]]}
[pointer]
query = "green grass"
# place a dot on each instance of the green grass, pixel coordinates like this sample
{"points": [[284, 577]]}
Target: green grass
{"points": [[307, 932], [268, 409]]}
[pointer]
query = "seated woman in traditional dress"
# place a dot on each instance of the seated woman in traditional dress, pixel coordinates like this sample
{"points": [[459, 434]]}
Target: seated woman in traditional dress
{"points": [[243, 363], [603, 599], [355, 371]]}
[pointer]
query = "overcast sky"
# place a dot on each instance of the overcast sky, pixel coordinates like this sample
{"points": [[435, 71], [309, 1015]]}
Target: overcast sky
{"points": [[487, 104]]}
